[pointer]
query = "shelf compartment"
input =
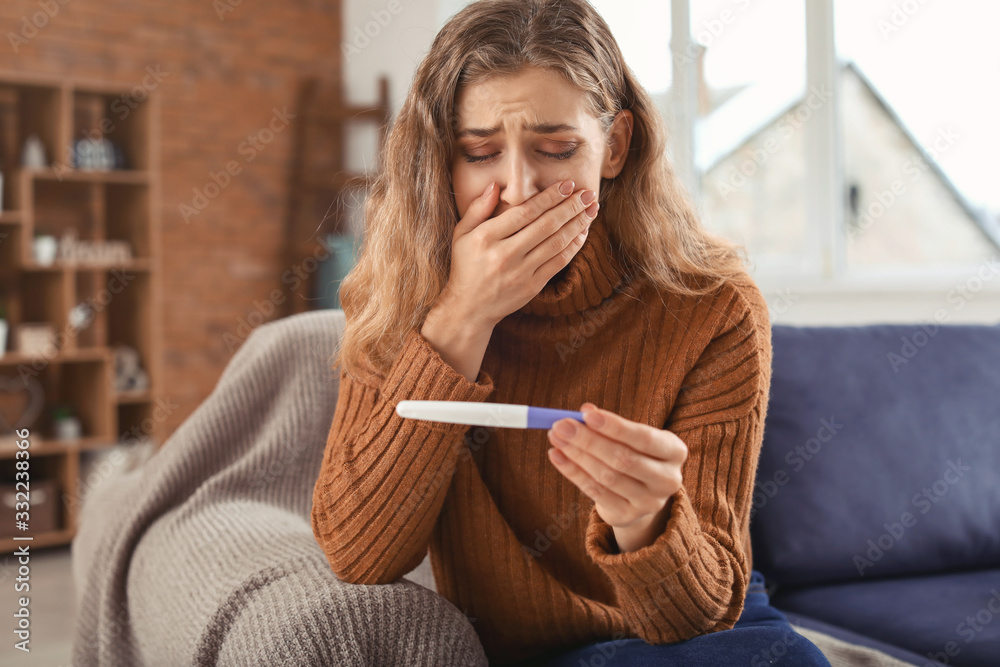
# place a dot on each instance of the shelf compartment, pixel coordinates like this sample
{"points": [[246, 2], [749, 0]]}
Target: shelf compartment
{"points": [[11, 245], [60, 469], [95, 210], [84, 385], [121, 118], [130, 316], [138, 422], [126, 208], [27, 109], [61, 207], [43, 298], [94, 293]]}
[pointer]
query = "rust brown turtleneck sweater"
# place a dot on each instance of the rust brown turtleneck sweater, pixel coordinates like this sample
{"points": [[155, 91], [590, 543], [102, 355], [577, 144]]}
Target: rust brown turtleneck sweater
{"points": [[514, 544]]}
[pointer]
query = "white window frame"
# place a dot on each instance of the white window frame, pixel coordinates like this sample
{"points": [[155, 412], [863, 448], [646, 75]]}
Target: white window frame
{"points": [[823, 153]]}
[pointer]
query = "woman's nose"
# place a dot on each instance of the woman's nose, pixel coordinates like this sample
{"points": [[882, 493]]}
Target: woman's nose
{"points": [[519, 182]]}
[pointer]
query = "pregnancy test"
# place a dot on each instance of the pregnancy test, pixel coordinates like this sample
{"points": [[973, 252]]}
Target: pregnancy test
{"points": [[505, 415]]}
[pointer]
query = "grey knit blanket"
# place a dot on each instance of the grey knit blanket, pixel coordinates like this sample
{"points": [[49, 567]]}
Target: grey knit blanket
{"points": [[204, 554]]}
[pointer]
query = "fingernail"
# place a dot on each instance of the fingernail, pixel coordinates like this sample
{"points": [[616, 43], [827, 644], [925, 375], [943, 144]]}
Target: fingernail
{"points": [[565, 428], [592, 210], [593, 418], [588, 196], [489, 190], [566, 187]]}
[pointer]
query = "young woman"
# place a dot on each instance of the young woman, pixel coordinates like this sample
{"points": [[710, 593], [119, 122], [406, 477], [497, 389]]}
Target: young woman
{"points": [[527, 242]]}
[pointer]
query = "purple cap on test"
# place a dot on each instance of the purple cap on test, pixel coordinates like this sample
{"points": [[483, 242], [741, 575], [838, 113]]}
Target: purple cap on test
{"points": [[546, 417]]}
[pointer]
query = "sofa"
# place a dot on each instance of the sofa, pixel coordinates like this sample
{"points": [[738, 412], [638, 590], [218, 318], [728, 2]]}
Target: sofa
{"points": [[204, 553], [876, 507]]}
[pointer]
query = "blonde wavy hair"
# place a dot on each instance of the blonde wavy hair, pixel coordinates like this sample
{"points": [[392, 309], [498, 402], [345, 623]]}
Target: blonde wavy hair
{"points": [[410, 214]]}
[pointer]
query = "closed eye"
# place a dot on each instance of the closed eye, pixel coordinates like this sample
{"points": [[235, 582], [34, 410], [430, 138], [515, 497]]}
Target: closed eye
{"points": [[556, 156]]}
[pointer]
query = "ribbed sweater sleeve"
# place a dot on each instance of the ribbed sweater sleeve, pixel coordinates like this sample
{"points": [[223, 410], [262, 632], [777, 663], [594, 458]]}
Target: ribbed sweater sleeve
{"points": [[692, 579], [384, 478]]}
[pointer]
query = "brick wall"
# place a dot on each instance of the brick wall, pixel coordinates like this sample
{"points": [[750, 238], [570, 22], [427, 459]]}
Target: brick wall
{"points": [[225, 66]]}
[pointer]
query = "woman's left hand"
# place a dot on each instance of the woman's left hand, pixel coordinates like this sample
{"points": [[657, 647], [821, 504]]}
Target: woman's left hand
{"points": [[630, 470]]}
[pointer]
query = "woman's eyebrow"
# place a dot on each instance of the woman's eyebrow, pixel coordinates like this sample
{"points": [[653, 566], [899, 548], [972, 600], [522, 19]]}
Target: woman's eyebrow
{"points": [[537, 128]]}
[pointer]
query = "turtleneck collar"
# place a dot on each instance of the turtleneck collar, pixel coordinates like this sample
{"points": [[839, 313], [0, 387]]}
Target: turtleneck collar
{"points": [[589, 278]]}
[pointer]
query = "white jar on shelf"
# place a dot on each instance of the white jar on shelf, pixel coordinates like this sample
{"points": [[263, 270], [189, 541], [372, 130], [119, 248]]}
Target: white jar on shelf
{"points": [[67, 428], [44, 249]]}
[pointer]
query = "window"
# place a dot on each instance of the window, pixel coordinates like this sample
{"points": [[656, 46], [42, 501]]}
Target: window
{"points": [[819, 146], [750, 138], [919, 132]]}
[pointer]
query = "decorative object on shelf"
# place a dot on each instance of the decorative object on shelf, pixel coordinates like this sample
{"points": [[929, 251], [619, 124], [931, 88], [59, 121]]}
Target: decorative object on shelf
{"points": [[3, 330], [44, 249], [93, 154], [65, 425], [43, 504], [33, 156], [129, 374], [74, 251], [81, 315], [21, 402], [35, 339]]}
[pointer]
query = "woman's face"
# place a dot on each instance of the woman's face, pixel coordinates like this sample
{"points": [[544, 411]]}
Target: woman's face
{"points": [[527, 131]]}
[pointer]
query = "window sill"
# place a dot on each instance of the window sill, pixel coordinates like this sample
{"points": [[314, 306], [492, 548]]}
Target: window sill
{"points": [[983, 277]]}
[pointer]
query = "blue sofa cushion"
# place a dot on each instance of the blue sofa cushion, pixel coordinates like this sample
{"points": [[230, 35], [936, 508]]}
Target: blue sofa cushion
{"points": [[951, 619], [881, 453]]}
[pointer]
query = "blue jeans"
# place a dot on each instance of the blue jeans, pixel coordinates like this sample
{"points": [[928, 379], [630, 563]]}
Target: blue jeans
{"points": [[761, 636]]}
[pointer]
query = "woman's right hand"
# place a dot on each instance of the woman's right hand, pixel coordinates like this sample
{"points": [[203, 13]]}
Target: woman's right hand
{"points": [[499, 264]]}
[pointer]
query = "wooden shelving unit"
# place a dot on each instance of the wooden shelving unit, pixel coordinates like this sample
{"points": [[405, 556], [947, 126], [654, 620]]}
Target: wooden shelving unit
{"points": [[124, 297]]}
